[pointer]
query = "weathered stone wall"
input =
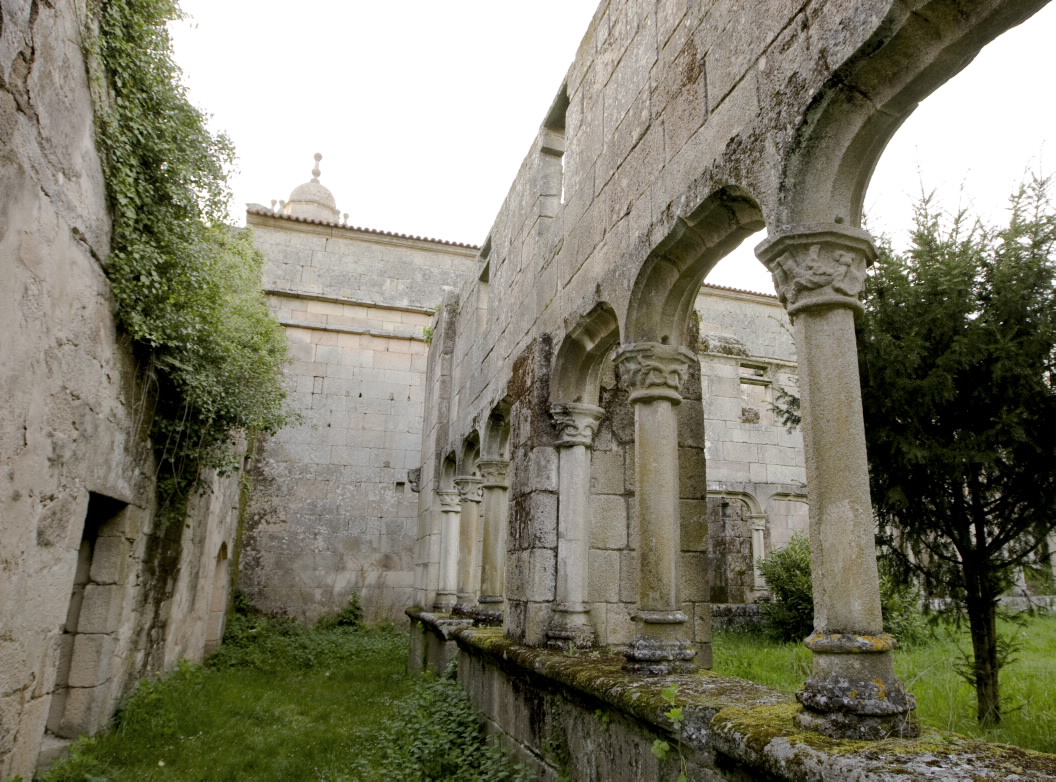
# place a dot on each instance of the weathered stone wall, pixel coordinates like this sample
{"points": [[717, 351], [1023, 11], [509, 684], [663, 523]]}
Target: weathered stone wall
{"points": [[579, 716], [681, 129], [756, 472], [332, 513], [78, 546]]}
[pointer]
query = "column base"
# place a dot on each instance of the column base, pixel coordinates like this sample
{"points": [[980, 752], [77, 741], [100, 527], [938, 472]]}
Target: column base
{"points": [[490, 611], [845, 725], [659, 656], [444, 603], [465, 607], [570, 628], [853, 693]]}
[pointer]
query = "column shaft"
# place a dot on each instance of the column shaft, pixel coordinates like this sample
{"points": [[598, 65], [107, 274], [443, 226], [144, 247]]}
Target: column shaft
{"points": [[493, 551], [819, 272], [469, 489], [450, 511], [654, 374], [571, 621]]}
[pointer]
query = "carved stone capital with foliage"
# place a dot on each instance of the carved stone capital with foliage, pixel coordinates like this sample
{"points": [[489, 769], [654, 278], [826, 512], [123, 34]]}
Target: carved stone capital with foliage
{"points": [[576, 423], [654, 371], [469, 488], [494, 473], [449, 501], [818, 265]]}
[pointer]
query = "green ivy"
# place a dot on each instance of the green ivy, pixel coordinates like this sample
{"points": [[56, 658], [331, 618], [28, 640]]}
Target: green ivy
{"points": [[187, 286]]}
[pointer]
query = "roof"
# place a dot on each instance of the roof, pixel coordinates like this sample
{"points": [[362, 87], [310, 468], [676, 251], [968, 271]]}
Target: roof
{"points": [[263, 211], [738, 290]]}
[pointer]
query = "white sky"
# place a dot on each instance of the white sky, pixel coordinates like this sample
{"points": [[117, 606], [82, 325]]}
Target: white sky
{"points": [[424, 110]]}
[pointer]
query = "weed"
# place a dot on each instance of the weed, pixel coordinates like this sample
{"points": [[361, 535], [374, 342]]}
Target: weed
{"points": [[662, 748]]}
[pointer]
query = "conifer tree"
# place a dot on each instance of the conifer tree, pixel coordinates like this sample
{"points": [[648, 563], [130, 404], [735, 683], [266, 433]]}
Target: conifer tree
{"points": [[956, 352]]}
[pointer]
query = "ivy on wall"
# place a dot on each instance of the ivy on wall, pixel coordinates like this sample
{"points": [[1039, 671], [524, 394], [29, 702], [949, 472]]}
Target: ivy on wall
{"points": [[187, 286]]}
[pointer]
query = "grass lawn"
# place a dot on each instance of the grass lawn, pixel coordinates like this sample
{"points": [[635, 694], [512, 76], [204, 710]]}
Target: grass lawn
{"points": [[944, 700], [282, 702]]}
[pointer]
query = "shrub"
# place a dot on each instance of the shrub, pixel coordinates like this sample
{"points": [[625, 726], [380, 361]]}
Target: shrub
{"points": [[349, 616], [790, 613], [438, 735]]}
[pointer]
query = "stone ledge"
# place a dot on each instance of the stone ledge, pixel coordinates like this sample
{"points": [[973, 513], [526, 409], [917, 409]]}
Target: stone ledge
{"points": [[734, 724]]}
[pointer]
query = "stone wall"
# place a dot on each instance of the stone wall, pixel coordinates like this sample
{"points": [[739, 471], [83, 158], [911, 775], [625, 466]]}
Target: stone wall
{"points": [[756, 472], [94, 595], [332, 513], [680, 130], [579, 716]]}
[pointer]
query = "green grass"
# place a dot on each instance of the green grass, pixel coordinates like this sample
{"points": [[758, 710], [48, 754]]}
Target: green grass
{"points": [[944, 700], [282, 702]]}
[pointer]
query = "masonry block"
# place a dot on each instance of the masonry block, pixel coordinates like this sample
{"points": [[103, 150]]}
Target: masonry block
{"points": [[608, 521]]}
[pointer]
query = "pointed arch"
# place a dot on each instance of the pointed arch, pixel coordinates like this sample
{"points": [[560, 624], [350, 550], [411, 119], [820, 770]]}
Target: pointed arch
{"points": [[579, 361], [915, 50], [665, 291]]}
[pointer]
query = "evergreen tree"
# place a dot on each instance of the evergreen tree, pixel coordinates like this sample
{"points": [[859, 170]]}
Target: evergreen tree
{"points": [[956, 352]]}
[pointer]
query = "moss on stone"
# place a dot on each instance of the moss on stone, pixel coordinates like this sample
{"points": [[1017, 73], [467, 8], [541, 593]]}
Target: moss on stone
{"points": [[744, 719]]}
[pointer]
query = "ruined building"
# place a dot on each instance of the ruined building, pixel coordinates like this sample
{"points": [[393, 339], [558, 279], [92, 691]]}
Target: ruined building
{"points": [[587, 464], [333, 513]]}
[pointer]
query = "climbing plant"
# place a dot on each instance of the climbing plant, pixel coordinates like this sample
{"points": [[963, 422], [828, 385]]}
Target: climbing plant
{"points": [[187, 285]]}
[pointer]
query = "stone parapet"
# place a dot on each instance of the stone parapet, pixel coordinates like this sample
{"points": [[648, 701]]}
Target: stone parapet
{"points": [[590, 719]]}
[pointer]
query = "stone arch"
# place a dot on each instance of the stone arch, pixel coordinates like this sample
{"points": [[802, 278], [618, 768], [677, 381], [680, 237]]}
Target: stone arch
{"points": [[665, 291], [448, 470], [494, 466], [469, 484], [916, 48], [580, 360], [469, 454], [214, 628], [495, 442], [447, 500]]}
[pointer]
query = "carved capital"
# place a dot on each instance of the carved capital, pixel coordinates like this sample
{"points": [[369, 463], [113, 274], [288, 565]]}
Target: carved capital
{"points": [[449, 501], [494, 473], [469, 488], [654, 371], [576, 423], [818, 265]]}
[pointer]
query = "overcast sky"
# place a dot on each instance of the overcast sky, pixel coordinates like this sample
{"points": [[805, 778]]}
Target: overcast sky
{"points": [[423, 111]]}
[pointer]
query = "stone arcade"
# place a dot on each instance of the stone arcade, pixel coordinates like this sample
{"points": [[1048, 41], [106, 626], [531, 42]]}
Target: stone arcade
{"points": [[563, 506], [680, 130]]}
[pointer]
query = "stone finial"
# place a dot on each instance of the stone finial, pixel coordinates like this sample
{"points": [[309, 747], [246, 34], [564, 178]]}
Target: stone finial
{"points": [[469, 488], [315, 169], [654, 371], [818, 265], [494, 472], [576, 423]]}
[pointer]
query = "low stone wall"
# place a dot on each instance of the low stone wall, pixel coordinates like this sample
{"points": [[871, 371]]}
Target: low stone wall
{"points": [[432, 644], [736, 617], [581, 717]]}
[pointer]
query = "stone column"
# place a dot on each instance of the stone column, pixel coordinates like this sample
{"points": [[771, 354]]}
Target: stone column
{"points": [[758, 549], [493, 555], [450, 510], [654, 374], [819, 272], [577, 423], [469, 492]]}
